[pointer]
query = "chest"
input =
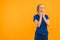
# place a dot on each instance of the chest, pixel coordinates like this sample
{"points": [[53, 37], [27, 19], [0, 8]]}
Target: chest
{"points": [[39, 19]]}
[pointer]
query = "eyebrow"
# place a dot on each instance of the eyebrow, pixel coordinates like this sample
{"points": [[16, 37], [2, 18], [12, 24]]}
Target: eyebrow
{"points": [[42, 7]]}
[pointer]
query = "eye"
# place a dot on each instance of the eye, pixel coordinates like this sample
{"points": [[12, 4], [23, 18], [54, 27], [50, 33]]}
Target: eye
{"points": [[42, 7]]}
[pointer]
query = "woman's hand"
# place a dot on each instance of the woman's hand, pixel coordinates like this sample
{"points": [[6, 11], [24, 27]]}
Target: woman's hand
{"points": [[46, 20]]}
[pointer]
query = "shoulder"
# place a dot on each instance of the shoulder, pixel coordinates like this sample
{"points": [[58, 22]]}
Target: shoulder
{"points": [[46, 16], [35, 15]]}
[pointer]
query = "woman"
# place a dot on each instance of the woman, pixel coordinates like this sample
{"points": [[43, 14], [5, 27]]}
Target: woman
{"points": [[42, 21]]}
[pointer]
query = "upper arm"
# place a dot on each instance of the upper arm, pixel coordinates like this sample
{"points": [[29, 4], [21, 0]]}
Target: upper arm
{"points": [[47, 18], [35, 19]]}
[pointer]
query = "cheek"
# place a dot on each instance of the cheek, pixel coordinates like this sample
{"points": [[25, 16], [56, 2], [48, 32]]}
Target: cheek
{"points": [[40, 9]]}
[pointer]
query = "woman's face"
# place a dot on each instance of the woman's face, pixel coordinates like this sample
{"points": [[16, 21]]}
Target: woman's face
{"points": [[41, 8]]}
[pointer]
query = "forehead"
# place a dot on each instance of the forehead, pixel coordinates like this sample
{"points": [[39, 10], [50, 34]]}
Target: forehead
{"points": [[41, 6]]}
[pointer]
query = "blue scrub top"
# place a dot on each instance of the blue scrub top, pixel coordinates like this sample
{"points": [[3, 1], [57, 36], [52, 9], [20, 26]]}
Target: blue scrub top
{"points": [[43, 27]]}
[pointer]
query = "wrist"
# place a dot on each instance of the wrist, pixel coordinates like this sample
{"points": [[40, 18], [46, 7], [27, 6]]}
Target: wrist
{"points": [[43, 15]]}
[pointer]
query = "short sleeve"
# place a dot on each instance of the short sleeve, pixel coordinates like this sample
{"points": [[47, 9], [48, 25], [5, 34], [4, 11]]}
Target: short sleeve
{"points": [[35, 18], [46, 16]]}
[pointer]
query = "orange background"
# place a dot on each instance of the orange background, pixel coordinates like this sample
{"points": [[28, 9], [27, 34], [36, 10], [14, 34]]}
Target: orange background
{"points": [[16, 19]]}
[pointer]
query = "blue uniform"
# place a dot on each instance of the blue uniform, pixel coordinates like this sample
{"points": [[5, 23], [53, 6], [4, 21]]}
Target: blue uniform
{"points": [[41, 32]]}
